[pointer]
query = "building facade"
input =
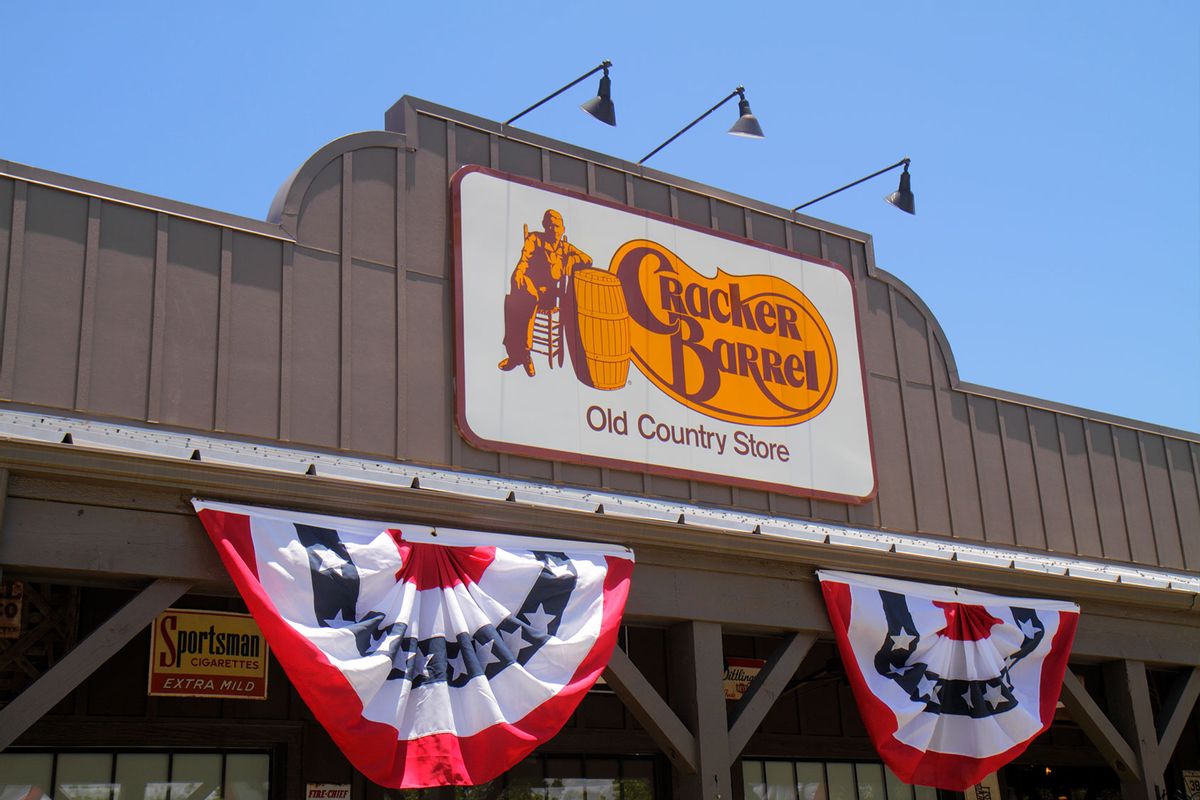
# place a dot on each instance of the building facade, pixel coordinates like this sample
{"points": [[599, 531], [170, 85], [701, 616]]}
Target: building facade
{"points": [[151, 352]]}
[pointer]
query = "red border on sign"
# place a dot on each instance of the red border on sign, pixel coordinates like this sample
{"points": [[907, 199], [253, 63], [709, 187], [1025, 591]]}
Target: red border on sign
{"points": [[601, 461]]}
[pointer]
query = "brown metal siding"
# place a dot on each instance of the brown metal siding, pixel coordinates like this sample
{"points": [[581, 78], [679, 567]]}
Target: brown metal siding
{"points": [[129, 313]]}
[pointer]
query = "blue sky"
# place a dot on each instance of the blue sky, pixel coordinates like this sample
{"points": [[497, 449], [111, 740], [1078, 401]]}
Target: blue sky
{"points": [[1055, 146]]}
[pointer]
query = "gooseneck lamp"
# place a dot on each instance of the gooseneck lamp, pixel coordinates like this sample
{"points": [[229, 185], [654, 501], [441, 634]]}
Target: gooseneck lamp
{"points": [[902, 198], [601, 106], [746, 124]]}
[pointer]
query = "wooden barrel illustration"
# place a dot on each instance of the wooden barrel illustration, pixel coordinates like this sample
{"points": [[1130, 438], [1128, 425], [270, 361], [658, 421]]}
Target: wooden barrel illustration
{"points": [[602, 325]]}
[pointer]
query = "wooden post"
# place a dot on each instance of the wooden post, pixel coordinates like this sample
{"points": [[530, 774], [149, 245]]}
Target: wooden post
{"points": [[698, 695], [1107, 739], [651, 711], [1129, 707]]}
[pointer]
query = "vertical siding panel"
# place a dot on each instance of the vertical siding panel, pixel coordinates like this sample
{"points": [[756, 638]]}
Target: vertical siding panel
{"points": [[728, 218], [345, 307], [806, 240], [7, 188], [286, 314], [50, 298], [1107, 491], [567, 171], [255, 354], [12, 289], [1187, 500], [315, 347], [1078, 476], [879, 349], [516, 157], [471, 146], [373, 198], [925, 446], [1133, 495], [932, 506], [426, 395], [989, 467], [52, 280], [87, 315], [766, 229], [962, 477], [1051, 482], [912, 345], [319, 221], [1022, 479], [651, 196], [896, 509], [401, 205], [192, 302], [224, 313], [374, 395], [958, 451], [158, 319], [1161, 501], [427, 220]]}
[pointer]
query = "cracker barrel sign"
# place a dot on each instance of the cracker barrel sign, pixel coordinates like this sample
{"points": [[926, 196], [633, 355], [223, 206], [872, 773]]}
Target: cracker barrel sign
{"points": [[600, 334], [207, 654]]}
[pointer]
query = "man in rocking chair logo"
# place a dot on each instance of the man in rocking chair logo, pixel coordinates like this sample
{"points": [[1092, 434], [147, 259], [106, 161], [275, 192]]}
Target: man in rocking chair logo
{"points": [[538, 282]]}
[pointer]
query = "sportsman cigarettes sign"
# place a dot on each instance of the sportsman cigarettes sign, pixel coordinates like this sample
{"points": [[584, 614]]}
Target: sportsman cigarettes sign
{"points": [[601, 334], [208, 654]]}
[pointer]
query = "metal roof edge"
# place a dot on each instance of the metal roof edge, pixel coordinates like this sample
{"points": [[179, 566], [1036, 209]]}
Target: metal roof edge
{"points": [[141, 440]]}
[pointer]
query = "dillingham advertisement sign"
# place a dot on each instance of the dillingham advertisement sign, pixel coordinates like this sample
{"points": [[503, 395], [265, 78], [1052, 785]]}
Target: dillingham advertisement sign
{"points": [[600, 334]]}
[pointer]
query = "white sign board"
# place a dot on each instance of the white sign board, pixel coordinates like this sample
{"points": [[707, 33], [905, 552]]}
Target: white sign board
{"points": [[601, 334]]}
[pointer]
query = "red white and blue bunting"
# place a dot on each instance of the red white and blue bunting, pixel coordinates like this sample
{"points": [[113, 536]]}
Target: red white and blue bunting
{"points": [[432, 657], [952, 684]]}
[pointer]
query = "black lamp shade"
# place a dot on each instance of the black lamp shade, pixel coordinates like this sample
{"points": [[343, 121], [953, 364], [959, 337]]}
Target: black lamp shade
{"points": [[747, 124], [903, 198], [601, 106]]}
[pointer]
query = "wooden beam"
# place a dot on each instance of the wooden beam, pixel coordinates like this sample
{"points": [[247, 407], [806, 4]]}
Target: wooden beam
{"points": [[31, 704], [1102, 733], [1176, 709], [698, 671], [1128, 694], [651, 711], [765, 689]]}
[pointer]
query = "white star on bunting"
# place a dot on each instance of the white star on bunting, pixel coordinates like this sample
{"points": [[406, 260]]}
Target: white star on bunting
{"points": [[539, 620]]}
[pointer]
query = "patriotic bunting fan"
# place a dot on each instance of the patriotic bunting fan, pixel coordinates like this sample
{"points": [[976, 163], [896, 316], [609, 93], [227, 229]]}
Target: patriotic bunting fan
{"points": [[432, 657], [952, 684]]}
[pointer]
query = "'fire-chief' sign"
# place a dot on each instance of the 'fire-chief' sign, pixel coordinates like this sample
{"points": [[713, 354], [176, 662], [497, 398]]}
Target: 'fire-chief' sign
{"points": [[596, 333]]}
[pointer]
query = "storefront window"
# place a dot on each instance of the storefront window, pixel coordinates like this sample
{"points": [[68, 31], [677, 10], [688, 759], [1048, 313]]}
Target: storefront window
{"points": [[818, 780], [561, 778], [135, 776]]}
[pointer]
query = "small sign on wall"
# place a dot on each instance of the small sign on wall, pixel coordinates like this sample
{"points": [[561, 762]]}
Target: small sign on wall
{"points": [[739, 674], [327, 791], [11, 593], [1191, 784], [208, 654], [986, 789]]}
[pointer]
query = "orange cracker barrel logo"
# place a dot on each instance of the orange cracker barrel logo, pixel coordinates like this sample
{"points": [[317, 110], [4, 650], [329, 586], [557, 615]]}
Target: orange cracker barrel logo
{"points": [[596, 333], [750, 349]]}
